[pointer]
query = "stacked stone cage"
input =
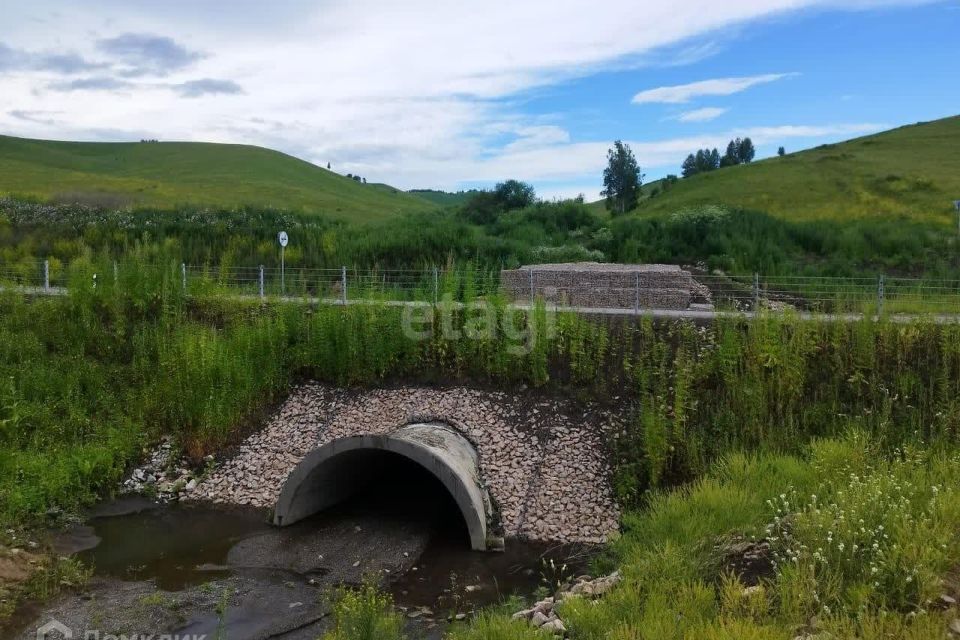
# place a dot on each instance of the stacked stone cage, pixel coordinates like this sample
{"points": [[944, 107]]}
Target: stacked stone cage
{"points": [[598, 285]]}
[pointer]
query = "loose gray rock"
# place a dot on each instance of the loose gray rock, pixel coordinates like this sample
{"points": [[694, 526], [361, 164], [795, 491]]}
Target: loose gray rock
{"points": [[544, 461]]}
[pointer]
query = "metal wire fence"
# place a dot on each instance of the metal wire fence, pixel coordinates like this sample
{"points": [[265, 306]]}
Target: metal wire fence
{"points": [[706, 294]]}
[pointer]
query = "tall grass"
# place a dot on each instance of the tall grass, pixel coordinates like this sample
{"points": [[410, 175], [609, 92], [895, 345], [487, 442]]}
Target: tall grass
{"points": [[853, 543], [813, 510], [735, 241], [365, 614], [88, 380]]}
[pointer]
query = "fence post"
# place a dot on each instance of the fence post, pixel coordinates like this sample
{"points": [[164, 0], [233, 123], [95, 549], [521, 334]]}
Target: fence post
{"points": [[262, 289], [436, 286], [183, 275], [756, 292], [46, 275], [636, 302], [343, 285], [532, 294], [879, 296]]}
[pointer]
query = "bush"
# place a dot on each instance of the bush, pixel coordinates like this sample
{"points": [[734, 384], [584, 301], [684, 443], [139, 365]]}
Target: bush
{"points": [[365, 614]]}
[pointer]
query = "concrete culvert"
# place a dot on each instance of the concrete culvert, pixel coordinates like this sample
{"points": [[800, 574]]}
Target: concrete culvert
{"points": [[344, 467]]}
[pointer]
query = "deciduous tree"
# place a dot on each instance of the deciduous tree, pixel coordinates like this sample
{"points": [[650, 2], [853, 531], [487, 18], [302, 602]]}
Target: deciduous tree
{"points": [[621, 179], [745, 151]]}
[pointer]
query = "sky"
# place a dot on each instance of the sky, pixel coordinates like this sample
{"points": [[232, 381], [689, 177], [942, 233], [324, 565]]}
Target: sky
{"points": [[456, 94]]}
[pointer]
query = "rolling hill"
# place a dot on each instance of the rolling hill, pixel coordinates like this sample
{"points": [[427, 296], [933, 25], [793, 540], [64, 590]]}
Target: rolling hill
{"points": [[167, 174], [444, 198], [913, 171]]}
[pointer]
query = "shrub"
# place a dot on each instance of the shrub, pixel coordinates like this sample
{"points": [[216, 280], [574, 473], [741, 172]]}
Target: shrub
{"points": [[365, 614]]}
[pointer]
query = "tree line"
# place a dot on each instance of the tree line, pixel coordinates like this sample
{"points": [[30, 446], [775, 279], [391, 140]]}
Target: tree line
{"points": [[622, 181], [739, 151]]}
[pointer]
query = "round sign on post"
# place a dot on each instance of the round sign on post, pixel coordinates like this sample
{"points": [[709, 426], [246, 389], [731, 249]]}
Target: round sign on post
{"points": [[283, 240]]}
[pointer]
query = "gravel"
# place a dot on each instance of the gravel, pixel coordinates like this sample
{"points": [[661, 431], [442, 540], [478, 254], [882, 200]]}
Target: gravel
{"points": [[543, 460]]}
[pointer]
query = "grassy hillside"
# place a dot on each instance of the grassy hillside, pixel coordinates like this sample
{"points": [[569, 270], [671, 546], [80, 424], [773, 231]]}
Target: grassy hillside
{"points": [[444, 198], [913, 171], [167, 174]]}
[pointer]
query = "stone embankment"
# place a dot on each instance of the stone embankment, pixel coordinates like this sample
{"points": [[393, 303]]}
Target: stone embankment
{"points": [[543, 461], [161, 475]]}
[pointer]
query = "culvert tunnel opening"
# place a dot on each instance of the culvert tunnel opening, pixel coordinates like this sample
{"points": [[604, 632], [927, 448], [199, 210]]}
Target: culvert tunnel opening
{"points": [[419, 468], [397, 489]]}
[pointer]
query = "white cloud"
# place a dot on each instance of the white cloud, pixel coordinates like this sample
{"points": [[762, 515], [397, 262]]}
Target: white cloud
{"points": [[413, 93], [568, 164], [701, 115], [715, 87], [537, 136]]}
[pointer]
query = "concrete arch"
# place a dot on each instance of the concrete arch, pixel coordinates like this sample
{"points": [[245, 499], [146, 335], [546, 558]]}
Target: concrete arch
{"points": [[332, 472]]}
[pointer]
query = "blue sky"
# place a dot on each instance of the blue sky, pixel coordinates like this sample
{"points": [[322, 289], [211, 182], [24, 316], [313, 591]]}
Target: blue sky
{"points": [[456, 95]]}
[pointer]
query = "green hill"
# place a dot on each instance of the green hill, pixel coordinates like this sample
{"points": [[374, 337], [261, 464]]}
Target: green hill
{"points": [[444, 198], [168, 174], [912, 171]]}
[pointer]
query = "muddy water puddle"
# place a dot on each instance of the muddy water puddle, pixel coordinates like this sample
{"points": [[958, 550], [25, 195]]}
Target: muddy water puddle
{"points": [[197, 570]]}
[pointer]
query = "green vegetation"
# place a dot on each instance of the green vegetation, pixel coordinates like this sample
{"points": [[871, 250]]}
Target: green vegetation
{"points": [[848, 541], [621, 179], [491, 230], [47, 576], [879, 204], [831, 444], [704, 160], [365, 614], [174, 174], [904, 173], [95, 377], [444, 198], [859, 546]]}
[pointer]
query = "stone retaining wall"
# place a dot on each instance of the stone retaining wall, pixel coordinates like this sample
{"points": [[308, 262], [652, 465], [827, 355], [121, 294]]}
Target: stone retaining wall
{"points": [[599, 285], [542, 461]]}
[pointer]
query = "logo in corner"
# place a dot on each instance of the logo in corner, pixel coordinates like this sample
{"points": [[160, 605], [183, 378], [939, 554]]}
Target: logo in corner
{"points": [[54, 630]]}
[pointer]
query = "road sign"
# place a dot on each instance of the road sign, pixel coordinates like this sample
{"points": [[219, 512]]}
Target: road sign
{"points": [[283, 240]]}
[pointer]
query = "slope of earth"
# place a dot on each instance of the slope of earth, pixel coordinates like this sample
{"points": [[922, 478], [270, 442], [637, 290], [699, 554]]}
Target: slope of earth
{"points": [[168, 174], [912, 171], [444, 198]]}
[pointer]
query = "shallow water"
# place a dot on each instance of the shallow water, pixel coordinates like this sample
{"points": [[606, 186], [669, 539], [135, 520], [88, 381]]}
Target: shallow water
{"points": [[409, 536]]}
